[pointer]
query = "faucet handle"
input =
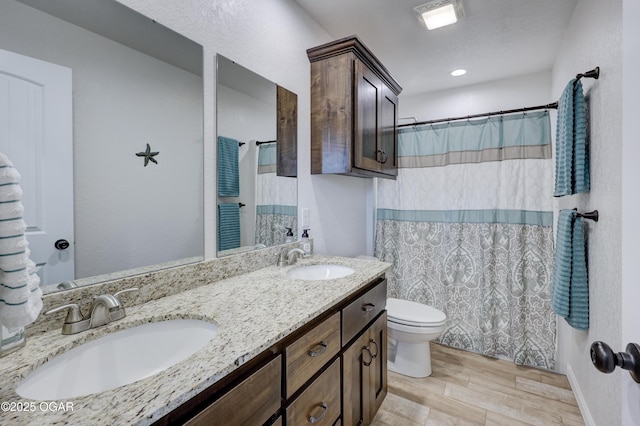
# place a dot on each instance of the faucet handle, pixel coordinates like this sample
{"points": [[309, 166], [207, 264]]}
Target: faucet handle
{"points": [[119, 312], [73, 314], [117, 295]]}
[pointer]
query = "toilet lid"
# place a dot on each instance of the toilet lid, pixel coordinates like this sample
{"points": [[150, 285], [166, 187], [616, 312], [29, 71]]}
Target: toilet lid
{"points": [[413, 313]]}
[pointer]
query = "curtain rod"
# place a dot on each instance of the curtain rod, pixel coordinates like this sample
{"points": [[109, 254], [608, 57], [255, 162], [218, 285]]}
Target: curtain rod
{"points": [[553, 105]]}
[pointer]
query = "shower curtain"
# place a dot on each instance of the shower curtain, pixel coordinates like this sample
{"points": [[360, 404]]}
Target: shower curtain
{"points": [[276, 205], [467, 226]]}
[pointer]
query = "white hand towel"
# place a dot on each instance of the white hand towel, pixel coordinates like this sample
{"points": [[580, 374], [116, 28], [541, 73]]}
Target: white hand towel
{"points": [[20, 294]]}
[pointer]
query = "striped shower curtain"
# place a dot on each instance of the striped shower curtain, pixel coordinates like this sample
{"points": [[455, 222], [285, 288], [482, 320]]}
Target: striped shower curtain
{"points": [[276, 200], [468, 228]]}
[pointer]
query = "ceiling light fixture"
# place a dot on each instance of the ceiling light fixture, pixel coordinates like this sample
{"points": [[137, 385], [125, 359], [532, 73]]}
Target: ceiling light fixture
{"points": [[458, 73], [439, 13]]}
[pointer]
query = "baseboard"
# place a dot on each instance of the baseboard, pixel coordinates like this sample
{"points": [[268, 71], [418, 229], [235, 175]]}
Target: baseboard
{"points": [[582, 403]]}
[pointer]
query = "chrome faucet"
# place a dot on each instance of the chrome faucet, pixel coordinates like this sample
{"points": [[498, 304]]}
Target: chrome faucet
{"points": [[290, 257], [104, 309]]}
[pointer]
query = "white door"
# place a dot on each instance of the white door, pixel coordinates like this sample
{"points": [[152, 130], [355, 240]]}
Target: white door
{"points": [[630, 392], [36, 134]]}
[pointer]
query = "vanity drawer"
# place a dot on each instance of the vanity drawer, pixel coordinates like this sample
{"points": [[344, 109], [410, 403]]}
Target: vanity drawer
{"points": [[362, 310], [252, 402], [309, 353], [320, 402]]}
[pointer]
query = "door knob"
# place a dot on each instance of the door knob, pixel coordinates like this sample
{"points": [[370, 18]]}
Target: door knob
{"points": [[61, 244], [605, 360]]}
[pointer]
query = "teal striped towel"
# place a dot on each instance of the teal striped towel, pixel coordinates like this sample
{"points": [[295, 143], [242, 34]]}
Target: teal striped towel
{"points": [[570, 295], [228, 177], [228, 226], [267, 158], [572, 161]]}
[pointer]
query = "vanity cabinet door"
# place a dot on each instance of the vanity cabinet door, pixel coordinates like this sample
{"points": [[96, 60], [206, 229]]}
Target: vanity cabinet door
{"points": [[365, 374], [320, 402], [355, 383], [378, 374], [252, 402]]}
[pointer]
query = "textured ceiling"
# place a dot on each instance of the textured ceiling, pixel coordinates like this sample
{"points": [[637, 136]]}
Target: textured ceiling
{"points": [[497, 39]]}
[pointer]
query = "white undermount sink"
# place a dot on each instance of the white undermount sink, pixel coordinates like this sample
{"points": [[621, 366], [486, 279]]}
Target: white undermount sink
{"points": [[320, 272], [117, 359]]}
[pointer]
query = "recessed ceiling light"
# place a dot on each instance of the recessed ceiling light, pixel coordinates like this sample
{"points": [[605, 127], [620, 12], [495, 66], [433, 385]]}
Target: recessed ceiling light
{"points": [[458, 73], [439, 13]]}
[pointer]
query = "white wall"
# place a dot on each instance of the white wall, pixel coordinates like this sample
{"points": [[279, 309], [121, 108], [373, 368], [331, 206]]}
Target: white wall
{"points": [[630, 390], [594, 39], [524, 91], [246, 119], [270, 38], [123, 100]]}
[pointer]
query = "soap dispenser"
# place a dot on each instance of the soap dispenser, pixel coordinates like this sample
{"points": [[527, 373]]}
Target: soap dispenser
{"points": [[305, 243], [289, 238]]}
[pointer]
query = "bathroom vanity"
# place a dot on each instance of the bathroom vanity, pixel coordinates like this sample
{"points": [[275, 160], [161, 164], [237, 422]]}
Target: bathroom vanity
{"points": [[299, 379], [287, 351]]}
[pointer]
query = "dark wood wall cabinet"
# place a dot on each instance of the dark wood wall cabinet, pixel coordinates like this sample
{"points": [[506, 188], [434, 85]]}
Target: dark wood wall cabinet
{"points": [[286, 133], [333, 371], [354, 111]]}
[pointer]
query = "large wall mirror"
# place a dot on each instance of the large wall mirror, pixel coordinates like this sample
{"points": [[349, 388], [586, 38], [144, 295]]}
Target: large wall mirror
{"points": [[256, 151], [135, 173]]}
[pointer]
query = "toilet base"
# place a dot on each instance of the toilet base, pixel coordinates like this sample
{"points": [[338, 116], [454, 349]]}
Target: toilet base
{"points": [[409, 359]]}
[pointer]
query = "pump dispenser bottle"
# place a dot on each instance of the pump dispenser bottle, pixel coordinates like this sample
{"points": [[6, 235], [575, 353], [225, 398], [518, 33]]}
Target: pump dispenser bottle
{"points": [[289, 237], [305, 244]]}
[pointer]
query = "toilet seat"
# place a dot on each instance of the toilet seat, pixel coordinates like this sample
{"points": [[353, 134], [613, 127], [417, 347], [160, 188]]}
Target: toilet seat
{"points": [[414, 314]]}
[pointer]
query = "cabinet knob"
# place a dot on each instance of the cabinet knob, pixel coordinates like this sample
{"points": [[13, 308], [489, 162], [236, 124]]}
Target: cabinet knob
{"points": [[382, 157]]}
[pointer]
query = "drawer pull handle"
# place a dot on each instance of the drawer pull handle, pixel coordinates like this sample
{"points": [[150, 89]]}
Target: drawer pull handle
{"points": [[322, 349], [368, 307], [382, 158], [317, 419], [371, 357], [377, 348]]}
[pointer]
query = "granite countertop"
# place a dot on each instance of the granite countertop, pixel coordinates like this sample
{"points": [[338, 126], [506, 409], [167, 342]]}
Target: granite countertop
{"points": [[253, 311]]}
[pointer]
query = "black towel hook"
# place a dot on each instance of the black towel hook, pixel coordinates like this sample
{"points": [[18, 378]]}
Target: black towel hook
{"points": [[591, 215], [594, 73]]}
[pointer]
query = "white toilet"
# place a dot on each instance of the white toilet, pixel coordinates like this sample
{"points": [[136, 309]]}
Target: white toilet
{"points": [[410, 327]]}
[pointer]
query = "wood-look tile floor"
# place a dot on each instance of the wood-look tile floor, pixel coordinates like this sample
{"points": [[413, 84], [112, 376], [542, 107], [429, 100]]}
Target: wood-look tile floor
{"points": [[471, 389]]}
